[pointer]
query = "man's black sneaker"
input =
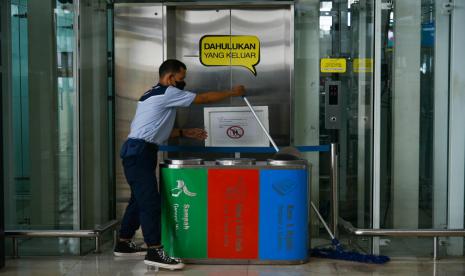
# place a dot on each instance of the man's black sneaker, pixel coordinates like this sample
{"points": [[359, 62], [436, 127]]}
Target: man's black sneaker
{"points": [[128, 248], [157, 257]]}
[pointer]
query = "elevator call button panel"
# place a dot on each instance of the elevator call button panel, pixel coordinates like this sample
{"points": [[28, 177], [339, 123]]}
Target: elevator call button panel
{"points": [[333, 105]]}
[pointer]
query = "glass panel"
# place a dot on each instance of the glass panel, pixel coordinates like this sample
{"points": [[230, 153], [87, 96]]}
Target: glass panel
{"points": [[326, 30], [409, 195], [41, 183], [67, 203], [21, 213], [43, 192]]}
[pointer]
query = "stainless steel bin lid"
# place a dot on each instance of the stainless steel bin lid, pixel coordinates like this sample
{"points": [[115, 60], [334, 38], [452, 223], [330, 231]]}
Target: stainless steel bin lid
{"points": [[235, 161], [184, 161], [274, 162]]}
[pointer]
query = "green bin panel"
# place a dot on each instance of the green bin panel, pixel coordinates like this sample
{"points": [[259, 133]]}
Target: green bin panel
{"points": [[184, 212]]}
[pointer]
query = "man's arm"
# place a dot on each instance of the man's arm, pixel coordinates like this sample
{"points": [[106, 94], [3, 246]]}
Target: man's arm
{"points": [[214, 96]]}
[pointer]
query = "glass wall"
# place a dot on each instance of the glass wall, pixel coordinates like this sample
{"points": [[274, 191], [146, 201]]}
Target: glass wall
{"points": [[41, 180], [337, 32], [20, 108], [334, 55], [66, 49], [413, 132], [57, 121]]}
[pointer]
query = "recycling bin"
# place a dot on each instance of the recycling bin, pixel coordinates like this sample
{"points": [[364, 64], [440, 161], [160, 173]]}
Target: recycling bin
{"points": [[283, 214], [184, 208], [235, 210]]}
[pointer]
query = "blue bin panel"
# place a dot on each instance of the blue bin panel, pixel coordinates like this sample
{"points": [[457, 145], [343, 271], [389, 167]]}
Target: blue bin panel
{"points": [[283, 233]]}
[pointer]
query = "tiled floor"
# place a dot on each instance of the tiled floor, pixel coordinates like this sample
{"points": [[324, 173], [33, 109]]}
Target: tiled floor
{"points": [[106, 264]]}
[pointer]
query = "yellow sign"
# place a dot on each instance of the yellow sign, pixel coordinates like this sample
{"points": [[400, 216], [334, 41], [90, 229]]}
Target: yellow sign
{"points": [[363, 65], [333, 65], [230, 50]]}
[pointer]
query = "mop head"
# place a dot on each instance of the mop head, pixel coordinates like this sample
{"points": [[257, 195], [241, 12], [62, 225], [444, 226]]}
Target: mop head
{"points": [[288, 153], [337, 252]]}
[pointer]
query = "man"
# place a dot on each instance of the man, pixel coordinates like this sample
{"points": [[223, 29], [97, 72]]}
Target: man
{"points": [[153, 125]]}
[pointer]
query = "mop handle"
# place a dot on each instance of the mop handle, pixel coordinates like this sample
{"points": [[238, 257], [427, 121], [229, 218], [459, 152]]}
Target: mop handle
{"points": [[322, 220], [260, 123]]}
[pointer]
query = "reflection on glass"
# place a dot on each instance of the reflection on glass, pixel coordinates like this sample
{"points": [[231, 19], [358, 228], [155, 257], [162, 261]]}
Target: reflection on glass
{"points": [[66, 111], [425, 113], [20, 214], [41, 185], [407, 123], [346, 34], [344, 31]]}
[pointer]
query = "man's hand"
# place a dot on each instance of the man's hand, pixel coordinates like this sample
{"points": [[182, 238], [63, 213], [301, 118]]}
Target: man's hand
{"points": [[195, 133], [238, 90]]}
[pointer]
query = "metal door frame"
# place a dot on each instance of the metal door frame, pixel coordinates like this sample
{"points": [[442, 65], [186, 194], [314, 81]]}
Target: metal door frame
{"points": [[228, 4], [4, 76], [456, 148]]}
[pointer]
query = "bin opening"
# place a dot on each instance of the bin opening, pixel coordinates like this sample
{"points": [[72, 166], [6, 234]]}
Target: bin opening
{"points": [[184, 161], [235, 161], [274, 162]]}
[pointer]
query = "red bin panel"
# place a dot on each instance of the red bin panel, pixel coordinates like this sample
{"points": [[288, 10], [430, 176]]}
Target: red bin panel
{"points": [[233, 213]]}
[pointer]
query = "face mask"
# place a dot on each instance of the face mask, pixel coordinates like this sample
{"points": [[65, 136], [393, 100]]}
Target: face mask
{"points": [[180, 85]]}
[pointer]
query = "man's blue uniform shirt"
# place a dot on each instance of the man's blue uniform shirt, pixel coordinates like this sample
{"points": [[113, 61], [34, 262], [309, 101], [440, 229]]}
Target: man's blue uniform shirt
{"points": [[156, 113]]}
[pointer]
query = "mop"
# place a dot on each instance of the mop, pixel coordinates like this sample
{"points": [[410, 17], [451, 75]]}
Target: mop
{"points": [[337, 252]]}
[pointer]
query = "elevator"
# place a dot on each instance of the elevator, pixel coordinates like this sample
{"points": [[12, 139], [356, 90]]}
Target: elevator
{"points": [[147, 34]]}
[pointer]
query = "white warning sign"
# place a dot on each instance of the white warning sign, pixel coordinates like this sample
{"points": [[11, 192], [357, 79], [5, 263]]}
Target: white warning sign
{"points": [[235, 127]]}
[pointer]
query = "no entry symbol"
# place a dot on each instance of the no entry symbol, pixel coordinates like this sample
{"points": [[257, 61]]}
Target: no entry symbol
{"points": [[235, 132]]}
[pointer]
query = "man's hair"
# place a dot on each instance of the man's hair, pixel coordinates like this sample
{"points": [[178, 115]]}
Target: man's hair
{"points": [[171, 66]]}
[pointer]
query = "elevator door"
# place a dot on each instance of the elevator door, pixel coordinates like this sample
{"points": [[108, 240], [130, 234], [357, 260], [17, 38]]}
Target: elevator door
{"points": [[271, 86], [148, 33]]}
